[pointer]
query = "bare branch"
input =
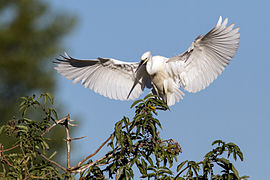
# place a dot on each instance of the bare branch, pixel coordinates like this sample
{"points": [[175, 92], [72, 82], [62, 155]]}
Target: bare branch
{"points": [[53, 162], [77, 138], [83, 168], [68, 140], [56, 122], [4, 150], [4, 157], [91, 155]]}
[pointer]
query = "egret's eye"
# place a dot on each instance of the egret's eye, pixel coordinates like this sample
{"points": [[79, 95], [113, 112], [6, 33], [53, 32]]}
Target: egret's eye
{"points": [[144, 59]]}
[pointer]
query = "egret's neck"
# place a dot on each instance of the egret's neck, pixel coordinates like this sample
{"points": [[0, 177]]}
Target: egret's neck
{"points": [[149, 66], [155, 64]]}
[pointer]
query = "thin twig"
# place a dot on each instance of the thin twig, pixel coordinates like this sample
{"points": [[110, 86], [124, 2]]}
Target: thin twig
{"points": [[5, 159], [81, 169], [105, 142], [77, 138], [56, 122], [53, 162], [4, 150], [91, 155]]}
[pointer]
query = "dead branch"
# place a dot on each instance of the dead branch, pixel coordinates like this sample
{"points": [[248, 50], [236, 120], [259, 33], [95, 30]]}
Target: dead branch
{"points": [[4, 157], [56, 122], [83, 168], [5, 150], [77, 138], [68, 140], [91, 155], [53, 162]]}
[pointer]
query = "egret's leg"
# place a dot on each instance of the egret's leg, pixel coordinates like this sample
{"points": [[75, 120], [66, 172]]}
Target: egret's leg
{"points": [[155, 90]]}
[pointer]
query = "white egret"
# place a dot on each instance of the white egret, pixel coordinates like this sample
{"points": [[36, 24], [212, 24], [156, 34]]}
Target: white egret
{"points": [[193, 70]]}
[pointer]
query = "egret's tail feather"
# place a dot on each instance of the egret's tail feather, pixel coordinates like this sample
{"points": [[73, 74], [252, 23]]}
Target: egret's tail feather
{"points": [[172, 98]]}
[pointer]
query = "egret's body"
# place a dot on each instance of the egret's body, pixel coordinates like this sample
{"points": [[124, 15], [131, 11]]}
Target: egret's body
{"points": [[194, 70], [162, 82]]}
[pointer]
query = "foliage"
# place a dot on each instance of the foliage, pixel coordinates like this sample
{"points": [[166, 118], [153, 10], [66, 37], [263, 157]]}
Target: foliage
{"points": [[134, 144], [30, 34], [26, 161]]}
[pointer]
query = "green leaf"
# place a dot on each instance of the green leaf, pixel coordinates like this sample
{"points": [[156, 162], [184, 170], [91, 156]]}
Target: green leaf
{"points": [[53, 155], [147, 158], [225, 161], [144, 165], [139, 165], [148, 96], [134, 160], [217, 142], [235, 172], [181, 165], [136, 102], [244, 177], [46, 146], [129, 141], [119, 173], [157, 122], [22, 127], [240, 155], [55, 113]]}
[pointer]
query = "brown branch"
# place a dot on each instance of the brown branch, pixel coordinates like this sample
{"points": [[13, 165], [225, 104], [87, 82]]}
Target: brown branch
{"points": [[4, 157], [56, 122], [24, 156], [105, 142], [68, 140], [53, 162], [4, 150], [77, 138], [91, 155], [81, 169]]}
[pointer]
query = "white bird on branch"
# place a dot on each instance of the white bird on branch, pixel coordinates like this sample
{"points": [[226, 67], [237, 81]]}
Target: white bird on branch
{"points": [[193, 70]]}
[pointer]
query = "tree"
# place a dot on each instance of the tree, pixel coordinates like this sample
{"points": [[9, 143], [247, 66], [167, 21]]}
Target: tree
{"points": [[135, 143], [30, 34]]}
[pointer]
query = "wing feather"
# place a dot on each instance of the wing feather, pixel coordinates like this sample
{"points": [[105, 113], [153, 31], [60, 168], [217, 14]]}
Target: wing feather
{"points": [[109, 77], [207, 57]]}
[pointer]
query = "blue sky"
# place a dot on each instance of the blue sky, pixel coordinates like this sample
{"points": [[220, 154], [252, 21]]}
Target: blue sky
{"points": [[234, 108]]}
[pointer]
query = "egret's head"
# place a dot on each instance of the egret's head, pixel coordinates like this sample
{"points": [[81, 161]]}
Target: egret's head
{"points": [[145, 57]]}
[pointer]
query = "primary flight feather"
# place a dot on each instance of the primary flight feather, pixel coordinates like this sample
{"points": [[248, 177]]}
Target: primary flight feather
{"points": [[193, 70]]}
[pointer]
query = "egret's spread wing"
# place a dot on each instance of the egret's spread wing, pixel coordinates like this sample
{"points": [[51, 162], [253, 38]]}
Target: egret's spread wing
{"points": [[112, 78], [206, 58]]}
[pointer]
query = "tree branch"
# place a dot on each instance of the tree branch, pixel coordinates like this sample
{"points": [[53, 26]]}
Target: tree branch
{"points": [[4, 150], [4, 157], [68, 140], [91, 155], [53, 162], [56, 122], [83, 168]]}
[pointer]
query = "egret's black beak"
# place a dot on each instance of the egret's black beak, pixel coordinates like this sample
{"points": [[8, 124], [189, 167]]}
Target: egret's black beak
{"points": [[141, 63]]}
